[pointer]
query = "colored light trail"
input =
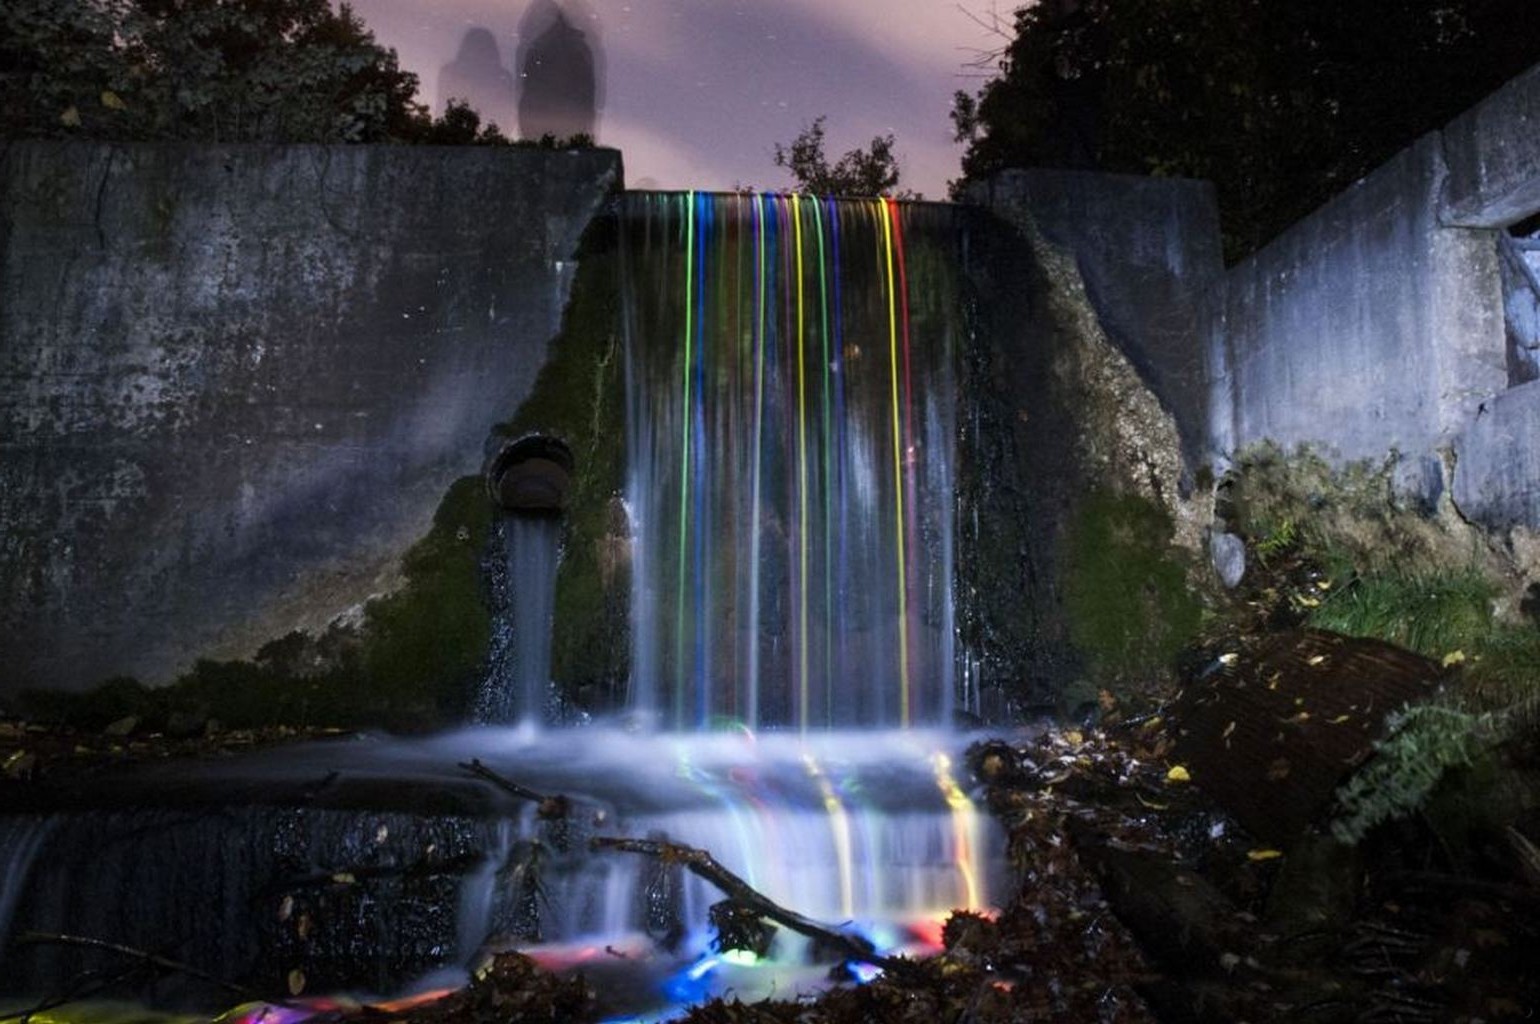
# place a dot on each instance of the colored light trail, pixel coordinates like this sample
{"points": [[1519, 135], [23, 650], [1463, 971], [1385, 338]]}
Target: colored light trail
{"points": [[779, 375]]}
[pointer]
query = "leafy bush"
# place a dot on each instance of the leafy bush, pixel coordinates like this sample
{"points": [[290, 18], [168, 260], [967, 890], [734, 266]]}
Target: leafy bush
{"points": [[1421, 745]]}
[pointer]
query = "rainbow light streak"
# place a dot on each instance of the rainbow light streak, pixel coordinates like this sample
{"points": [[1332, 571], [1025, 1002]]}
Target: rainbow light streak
{"points": [[828, 478], [964, 828], [702, 523], [898, 471], [839, 821], [709, 786], [684, 441], [782, 572], [839, 407], [908, 483], [752, 712], [802, 636]]}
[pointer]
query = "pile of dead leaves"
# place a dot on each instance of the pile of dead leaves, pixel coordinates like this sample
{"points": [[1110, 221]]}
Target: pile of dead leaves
{"points": [[511, 989]]}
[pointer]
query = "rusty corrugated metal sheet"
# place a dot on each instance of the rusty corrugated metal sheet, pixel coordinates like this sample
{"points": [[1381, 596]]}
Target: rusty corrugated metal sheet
{"points": [[1271, 737]]}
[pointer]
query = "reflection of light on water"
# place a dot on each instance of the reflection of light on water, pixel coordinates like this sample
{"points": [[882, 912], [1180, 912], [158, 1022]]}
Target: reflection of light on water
{"points": [[964, 828], [840, 822], [869, 832]]}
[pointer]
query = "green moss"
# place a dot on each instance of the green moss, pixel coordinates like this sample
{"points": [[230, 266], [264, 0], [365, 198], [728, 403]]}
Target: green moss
{"points": [[579, 398], [425, 644], [1126, 594]]}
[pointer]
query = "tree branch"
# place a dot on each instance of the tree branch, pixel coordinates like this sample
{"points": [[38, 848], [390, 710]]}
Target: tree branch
{"points": [[701, 863]]}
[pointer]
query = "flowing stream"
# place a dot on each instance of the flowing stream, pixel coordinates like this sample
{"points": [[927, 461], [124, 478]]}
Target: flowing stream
{"points": [[791, 395]]}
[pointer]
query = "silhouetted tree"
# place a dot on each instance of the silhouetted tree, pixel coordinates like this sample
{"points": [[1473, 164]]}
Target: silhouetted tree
{"points": [[873, 171], [1279, 104], [558, 75], [478, 79], [227, 70]]}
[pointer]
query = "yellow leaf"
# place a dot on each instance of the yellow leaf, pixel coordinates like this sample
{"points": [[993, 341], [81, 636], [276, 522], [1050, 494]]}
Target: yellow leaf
{"points": [[70, 118], [1453, 658], [1178, 774], [1074, 738], [111, 101], [1340, 719], [1309, 602], [1260, 855], [343, 878], [296, 982]]}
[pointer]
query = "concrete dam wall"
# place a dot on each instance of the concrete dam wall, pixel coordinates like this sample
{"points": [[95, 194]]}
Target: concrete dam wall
{"points": [[239, 379]]}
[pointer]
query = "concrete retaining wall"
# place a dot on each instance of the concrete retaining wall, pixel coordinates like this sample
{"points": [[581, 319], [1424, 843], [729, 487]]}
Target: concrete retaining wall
{"points": [[1149, 252], [1377, 323], [1365, 327], [237, 380]]}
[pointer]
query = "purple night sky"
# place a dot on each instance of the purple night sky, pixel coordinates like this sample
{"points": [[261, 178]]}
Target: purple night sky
{"points": [[697, 92]]}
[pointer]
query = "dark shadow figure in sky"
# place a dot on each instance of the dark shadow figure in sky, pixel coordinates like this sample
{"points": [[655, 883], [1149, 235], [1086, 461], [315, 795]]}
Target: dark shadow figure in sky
{"points": [[477, 76], [560, 74]]}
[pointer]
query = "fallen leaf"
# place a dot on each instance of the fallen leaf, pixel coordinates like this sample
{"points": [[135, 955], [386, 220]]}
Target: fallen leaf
{"points": [[296, 982], [286, 908], [70, 118], [1340, 719], [344, 878], [1316, 660], [112, 101], [1453, 658], [1261, 855], [1178, 774], [1228, 730]]}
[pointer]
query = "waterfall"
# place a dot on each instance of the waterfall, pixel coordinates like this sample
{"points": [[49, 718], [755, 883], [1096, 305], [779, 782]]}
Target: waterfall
{"points": [[791, 430], [518, 683], [791, 438]]}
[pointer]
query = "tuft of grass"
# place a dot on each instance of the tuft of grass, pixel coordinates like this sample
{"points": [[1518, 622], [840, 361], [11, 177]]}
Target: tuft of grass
{"points": [[1432, 613]]}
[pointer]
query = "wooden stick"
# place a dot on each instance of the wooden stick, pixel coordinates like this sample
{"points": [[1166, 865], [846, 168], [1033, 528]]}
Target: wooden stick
{"points": [[50, 939], [700, 862], [550, 806]]}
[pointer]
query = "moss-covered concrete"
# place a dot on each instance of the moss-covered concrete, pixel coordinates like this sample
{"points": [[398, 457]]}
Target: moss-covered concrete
{"points": [[579, 397], [1126, 592]]}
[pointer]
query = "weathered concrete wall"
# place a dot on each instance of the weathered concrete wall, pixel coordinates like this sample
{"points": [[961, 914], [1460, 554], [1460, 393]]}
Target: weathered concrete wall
{"points": [[1493, 152], [1497, 468], [1365, 327], [1377, 323], [237, 380], [1148, 250]]}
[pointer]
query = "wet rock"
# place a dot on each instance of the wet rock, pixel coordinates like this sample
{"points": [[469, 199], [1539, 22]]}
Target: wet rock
{"points": [[186, 724], [1227, 552], [123, 726]]}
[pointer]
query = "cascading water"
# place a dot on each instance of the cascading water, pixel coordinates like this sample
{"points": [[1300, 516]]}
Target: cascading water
{"points": [[791, 427], [791, 434], [518, 683]]}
